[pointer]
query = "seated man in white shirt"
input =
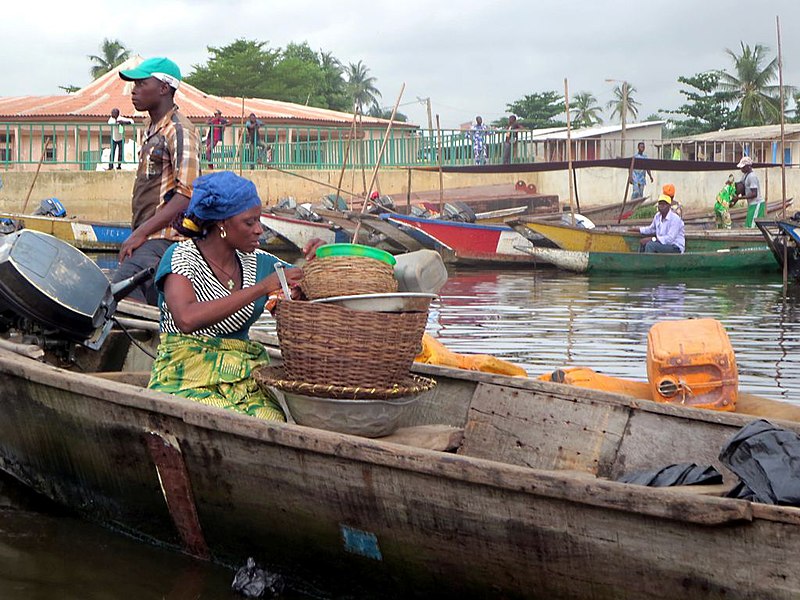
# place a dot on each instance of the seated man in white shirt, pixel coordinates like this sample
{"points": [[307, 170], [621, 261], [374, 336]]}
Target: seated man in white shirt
{"points": [[666, 230]]}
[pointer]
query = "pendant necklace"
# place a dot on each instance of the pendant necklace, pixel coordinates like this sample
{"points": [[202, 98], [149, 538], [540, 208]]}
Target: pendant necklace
{"points": [[230, 284]]}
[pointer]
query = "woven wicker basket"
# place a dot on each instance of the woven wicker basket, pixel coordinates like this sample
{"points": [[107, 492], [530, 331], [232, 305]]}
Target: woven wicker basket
{"points": [[331, 345], [347, 275], [275, 376]]}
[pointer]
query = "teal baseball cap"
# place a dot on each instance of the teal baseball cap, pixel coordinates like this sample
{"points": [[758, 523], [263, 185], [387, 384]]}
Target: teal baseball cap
{"points": [[159, 67]]}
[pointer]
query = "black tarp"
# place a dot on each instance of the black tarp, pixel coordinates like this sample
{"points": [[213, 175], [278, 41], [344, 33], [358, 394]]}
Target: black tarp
{"points": [[678, 474], [766, 459]]}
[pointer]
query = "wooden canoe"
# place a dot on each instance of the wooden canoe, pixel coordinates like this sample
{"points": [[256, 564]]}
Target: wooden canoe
{"points": [[744, 259], [466, 243], [85, 235], [602, 239], [495, 486]]}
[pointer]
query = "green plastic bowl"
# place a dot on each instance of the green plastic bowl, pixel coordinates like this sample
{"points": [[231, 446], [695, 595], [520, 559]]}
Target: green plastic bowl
{"points": [[355, 250]]}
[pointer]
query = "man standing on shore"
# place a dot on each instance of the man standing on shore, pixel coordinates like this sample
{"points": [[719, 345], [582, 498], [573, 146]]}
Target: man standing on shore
{"points": [[638, 180], [169, 162], [117, 137], [756, 209], [510, 140]]}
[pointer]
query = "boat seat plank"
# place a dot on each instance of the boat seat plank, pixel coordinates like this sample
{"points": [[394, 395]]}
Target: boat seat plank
{"points": [[443, 438], [544, 431], [140, 378]]}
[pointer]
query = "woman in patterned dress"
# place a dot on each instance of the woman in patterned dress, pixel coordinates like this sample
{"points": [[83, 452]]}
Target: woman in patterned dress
{"points": [[212, 289]]}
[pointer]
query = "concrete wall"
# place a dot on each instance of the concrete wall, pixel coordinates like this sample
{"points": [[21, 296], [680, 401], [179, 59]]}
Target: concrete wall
{"points": [[105, 196]]}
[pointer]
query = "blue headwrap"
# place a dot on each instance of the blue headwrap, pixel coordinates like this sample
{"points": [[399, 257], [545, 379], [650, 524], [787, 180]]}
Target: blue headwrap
{"points": [[219, 196]]}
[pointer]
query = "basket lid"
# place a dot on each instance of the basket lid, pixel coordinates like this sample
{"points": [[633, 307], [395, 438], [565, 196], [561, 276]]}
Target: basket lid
{"points": [[355, 250]]}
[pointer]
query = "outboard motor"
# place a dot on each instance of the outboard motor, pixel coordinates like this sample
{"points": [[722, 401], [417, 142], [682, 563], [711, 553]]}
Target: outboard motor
{"points": [[420, 211], [8, 225], [50, 207], [54, 294], [379, 204], [458, 211], [305, 212], [334, 202], [287, 203]]}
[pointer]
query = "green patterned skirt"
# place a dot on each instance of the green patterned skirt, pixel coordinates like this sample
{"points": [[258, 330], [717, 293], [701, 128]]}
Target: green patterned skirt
{"points": [[214, 371]]}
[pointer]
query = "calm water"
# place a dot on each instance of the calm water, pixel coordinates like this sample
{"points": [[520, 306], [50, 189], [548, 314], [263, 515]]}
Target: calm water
{"points": [[540, 320]]}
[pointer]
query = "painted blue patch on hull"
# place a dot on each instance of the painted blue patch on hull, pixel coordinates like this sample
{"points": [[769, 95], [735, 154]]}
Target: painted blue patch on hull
{"points": [[360, 542]]}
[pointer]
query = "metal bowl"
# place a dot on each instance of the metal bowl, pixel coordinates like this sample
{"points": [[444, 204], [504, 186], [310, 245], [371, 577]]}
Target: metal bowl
{"points": [[367, 418], [394, 302]]}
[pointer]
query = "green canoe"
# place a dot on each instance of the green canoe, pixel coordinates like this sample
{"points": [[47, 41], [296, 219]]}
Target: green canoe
{"points": [[744, 259]]}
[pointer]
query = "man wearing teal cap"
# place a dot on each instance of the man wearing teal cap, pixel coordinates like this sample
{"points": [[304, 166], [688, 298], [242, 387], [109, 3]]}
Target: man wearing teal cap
{"points": [[169, 161]]}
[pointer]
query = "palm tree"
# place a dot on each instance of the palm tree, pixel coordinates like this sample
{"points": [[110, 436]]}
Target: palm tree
{"points": [[112, 53], [585, 111], [361, 86], [755, 96], [624, 97]]}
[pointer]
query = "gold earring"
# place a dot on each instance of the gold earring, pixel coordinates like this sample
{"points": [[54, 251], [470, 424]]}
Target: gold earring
{"points": [[222, 233]]}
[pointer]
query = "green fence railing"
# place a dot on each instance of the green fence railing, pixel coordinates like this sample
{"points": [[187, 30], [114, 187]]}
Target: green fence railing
{"points": [[86, 146]]}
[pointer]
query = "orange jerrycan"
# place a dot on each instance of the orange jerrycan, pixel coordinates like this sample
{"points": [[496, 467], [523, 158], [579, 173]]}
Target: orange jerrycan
{"points": [[692, 362]]}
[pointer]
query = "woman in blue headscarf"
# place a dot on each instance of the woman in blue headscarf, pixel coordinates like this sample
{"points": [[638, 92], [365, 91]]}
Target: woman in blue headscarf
{"points": [[212, 288]]}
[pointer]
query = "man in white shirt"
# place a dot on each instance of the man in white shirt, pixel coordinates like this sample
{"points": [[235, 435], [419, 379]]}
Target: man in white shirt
{"points": [[756, 208], [117, 137]]}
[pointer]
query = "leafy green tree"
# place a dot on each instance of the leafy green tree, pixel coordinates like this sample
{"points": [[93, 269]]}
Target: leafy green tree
{"points": [[244, 68], [751, 84], [584, 110], [298, 77], [537, 111], [706, 108], [112, 54], [796, 116], [624, 102], [361, 86], [334, 87]]}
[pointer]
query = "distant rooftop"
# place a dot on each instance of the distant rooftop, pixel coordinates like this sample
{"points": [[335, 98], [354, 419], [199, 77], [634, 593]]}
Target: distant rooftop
{"points": [[95, 101]]}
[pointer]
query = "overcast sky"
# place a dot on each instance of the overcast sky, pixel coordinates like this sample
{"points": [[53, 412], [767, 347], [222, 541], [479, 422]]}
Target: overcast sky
{"points": [[469, 57]]}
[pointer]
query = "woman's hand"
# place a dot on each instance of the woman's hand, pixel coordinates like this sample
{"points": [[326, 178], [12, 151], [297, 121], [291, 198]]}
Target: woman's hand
{"points": [[310, 249]]}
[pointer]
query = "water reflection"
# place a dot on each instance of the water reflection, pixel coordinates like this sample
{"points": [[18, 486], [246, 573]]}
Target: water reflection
{"points": [[545, 319]]}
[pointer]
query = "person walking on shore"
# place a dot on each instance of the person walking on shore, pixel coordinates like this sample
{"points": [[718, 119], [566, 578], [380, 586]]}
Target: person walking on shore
{"points": [[117, 137]]}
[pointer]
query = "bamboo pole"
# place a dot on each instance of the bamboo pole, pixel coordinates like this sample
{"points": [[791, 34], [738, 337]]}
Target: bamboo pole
{"points": [[783, 150], [346, 153], [439, 160], [35, 175], [241, 141], [627, 187], [378, 159], [569, 155], [322, 183]]}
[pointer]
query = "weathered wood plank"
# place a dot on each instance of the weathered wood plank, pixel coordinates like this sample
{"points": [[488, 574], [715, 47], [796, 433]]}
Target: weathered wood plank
{"points": [[442, 438], [541, 431]]}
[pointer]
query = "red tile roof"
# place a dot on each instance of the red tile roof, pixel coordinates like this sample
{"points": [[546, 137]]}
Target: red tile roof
{"points": [[95, 101]]}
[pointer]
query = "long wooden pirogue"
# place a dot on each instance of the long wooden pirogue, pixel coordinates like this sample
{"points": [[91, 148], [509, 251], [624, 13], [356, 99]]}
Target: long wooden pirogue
{"points": [[495, 486]]}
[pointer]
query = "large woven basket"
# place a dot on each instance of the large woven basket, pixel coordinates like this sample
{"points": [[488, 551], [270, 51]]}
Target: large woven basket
{"points": [[347, 275], [331, 345], [275, 376]]}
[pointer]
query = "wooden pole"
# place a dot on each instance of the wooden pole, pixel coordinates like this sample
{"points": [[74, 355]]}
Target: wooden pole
{"points": [[378, 160], [35, 175], [627, 187], [569, 155], [322, 183], [408, 192], [439, 160], [241, 141], [783, 150], [346, 153]]}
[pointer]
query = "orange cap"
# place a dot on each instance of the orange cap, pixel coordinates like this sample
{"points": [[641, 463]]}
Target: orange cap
{"points": [[669, 190]]}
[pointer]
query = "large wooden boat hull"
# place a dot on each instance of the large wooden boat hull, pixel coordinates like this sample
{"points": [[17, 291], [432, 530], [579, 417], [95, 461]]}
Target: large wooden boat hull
{"points": [[744, 260], [581, 239], [521, 510], [85, 235], [467, 243]]}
